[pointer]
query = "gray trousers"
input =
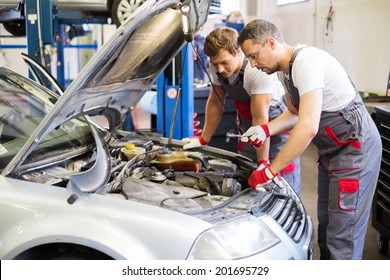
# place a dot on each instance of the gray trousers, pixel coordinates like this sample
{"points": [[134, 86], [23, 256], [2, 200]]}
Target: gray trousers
{"points": [[350, 151]]}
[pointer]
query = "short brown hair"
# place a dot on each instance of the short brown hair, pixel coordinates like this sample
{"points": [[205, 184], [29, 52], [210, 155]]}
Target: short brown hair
{"points": [[259, 30], [224, 38]]}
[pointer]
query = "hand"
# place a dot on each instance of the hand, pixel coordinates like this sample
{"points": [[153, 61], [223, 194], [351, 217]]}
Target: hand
{"points": [[262, 177], [256, 135], [194, 142]]}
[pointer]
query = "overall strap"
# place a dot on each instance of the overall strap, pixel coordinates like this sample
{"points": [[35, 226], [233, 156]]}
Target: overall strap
{"points": [[292, 90], [236, 89], [240, 78]]}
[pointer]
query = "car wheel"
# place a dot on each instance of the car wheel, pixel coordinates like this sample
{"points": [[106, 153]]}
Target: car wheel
{"points": [[383, 244], [16, 28], [122, 9]]}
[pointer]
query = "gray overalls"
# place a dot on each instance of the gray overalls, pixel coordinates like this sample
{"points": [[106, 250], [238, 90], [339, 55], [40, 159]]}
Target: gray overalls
{"points": [[349, 157], [242, 101]]}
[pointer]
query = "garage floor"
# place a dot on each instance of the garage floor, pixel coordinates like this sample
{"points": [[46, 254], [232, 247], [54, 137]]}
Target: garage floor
{"points": [[309, 198]]}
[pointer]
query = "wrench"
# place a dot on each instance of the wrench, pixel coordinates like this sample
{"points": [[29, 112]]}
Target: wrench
{"points": [[231, 135]]}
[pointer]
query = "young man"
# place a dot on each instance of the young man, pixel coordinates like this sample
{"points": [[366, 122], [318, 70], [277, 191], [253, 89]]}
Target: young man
{"points": [[258, 98], [323, 107]]}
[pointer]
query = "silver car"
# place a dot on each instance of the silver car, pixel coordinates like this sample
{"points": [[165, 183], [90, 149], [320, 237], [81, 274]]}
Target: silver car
{"points": [[117, 10], [72, 189]]}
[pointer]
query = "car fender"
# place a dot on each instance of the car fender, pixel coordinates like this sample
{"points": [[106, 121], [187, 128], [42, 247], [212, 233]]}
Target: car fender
{"points": [[115, 226], [101, 238]]}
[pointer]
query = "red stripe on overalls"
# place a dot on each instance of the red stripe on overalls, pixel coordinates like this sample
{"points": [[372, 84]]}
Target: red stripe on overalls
{"points": [[244, 110], [339, 143]]}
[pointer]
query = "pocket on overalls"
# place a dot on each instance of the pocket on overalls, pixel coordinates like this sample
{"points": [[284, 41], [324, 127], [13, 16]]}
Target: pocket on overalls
{"points": [[346, 156], [348, 193], [345, 149]]}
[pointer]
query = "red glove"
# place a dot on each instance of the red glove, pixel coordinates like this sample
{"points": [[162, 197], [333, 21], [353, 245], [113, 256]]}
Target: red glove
{"points": [[262, 177]]}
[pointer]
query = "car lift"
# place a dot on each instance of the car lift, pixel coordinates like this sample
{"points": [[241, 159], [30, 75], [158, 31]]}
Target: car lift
{"points": [[175, 96], [45, 27], [39, 29]]}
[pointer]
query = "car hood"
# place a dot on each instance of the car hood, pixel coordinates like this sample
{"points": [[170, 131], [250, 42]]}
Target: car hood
{"points": [[122, 71], [125, 67]]}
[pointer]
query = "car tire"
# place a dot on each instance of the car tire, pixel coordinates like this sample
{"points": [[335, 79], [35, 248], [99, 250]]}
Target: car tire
{"points": [[122, 9], [16, 28]]}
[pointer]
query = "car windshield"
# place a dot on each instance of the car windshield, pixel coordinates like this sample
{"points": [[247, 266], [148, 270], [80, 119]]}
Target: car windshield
{"points": [[23, 105]]}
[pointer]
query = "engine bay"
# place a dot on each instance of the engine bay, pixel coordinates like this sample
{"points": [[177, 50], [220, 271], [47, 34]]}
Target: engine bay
{"points": [[207, 182], [157, 173]]}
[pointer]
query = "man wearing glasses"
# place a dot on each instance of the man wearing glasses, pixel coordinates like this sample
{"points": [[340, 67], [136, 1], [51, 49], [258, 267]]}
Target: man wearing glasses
{"points": [[258, 98], [323, 107]]}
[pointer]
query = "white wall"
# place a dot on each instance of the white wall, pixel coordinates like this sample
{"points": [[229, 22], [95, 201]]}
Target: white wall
{"points": [[10, 57], [360, 39]]}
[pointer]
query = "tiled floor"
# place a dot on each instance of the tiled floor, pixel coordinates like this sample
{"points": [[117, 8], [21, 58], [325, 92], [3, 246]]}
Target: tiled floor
{"points": [[309, 198]]}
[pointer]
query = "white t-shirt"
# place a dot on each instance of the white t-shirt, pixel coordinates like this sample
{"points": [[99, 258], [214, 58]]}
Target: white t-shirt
{"points": [[256, 82], [314, 68]]}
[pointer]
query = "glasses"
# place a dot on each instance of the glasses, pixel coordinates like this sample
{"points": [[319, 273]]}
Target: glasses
{"points": [[253, 57]]}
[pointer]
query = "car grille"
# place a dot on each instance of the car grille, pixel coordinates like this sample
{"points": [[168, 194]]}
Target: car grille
{"points": [[287, 211]]}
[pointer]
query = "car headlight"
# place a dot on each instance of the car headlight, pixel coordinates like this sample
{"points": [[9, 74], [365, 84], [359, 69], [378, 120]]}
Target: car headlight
{"points": [[239, 238]]}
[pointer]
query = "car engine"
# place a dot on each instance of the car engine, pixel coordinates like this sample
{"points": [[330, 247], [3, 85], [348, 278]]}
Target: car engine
{"points": [[166, 175], [208, 182], [143, 168]]}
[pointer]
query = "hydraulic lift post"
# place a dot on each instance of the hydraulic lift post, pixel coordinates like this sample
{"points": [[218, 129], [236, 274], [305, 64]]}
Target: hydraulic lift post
{"points": [[39, 29]]}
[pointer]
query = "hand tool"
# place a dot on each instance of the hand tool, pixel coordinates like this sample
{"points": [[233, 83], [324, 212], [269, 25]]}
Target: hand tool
{"points": [[231, 135]]}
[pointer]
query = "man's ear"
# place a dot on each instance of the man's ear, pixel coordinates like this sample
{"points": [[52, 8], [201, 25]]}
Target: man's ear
{"points": [[271, 42]]}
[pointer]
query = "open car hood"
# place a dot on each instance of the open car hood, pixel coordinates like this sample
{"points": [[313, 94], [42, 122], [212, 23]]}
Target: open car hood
{"points": [[125, 67], [118, 75]]}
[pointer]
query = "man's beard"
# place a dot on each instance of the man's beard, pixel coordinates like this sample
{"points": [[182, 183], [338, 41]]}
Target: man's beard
{"points": [[276, 68], [271, 70]]}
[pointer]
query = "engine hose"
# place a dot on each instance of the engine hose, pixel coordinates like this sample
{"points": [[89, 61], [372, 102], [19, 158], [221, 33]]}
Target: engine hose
{"points": [[222, 205]]}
